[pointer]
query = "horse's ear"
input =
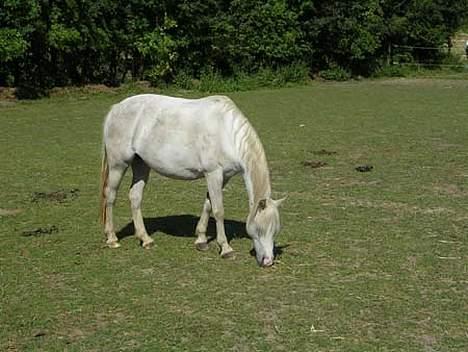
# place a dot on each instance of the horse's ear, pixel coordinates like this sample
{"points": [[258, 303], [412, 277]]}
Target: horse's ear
{"points": [[278, 202]]}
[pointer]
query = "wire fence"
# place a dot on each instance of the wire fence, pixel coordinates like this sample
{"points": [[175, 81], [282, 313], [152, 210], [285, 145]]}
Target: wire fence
{"points": [[431, 62], [453, 57]]}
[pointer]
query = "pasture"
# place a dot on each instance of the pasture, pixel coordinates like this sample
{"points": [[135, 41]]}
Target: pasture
{"points": [[367, 261]]}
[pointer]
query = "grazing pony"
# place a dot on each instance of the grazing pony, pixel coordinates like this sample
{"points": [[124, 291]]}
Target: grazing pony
{"points": [[188, 139]]}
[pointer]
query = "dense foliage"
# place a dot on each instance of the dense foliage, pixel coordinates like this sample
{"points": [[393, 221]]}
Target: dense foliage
{"points": [[45, 43]]}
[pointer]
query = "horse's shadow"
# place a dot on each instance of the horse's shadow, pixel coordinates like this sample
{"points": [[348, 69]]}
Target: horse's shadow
{"points": [[184, 226]]}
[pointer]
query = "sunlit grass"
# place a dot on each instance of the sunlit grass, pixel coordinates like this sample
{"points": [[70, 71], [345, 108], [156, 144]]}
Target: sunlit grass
{"points": [[371, 261]]}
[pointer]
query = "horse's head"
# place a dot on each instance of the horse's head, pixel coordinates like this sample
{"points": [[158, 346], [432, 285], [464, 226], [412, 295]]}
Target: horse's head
{"points": [[262, 227]]}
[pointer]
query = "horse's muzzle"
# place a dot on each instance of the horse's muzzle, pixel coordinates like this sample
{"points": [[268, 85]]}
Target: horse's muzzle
{"points": [[267, 261]]}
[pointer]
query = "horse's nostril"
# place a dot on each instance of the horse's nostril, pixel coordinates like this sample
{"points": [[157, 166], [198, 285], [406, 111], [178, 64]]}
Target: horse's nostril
{"points": [[267, 261]]}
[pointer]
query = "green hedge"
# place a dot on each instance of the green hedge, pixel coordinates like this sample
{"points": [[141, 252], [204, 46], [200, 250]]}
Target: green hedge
{"points": [[58, 43]]}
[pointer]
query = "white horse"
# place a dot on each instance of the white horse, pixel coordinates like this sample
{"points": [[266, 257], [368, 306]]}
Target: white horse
{"points": [[188, 139]]}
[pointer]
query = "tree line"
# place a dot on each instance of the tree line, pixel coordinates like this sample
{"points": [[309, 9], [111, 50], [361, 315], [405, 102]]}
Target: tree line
{"points": [[47, 43]]}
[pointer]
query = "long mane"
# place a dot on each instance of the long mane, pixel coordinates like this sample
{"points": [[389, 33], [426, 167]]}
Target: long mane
{"points": [[252, 155]]}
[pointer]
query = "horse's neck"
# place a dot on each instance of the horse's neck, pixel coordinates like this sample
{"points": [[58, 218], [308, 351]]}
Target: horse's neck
{"points": [[252, 157], [256, 176]]}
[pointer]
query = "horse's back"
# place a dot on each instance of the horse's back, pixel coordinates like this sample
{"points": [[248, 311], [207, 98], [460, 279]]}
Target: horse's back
{"points": [[148, 108], [177, 137]]}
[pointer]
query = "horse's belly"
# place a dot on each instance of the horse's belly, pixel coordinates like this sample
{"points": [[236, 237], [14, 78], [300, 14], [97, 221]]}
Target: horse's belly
{"points": [[175, 164], [178, 172], [186, 163]]}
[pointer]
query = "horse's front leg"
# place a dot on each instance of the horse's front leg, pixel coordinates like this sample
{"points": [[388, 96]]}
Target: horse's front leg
{"points": [[215, 190], [201, 243]]}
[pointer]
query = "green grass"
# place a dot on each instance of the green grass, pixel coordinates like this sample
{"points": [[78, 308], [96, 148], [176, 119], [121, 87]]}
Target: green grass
{"points": [[372, 261]]}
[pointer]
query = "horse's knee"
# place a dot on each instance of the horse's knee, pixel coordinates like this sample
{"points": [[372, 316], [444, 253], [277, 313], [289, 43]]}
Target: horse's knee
{"points": [[110, 194], [135, 196], [207, 205], [218, 214]]}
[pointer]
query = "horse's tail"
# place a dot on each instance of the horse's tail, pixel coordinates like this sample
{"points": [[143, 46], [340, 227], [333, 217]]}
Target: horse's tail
{"points": [[104, 180]]}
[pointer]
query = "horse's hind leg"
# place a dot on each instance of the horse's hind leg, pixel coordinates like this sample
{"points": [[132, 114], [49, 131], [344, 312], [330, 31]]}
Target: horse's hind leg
{"points": [[116, 173], [201, 243], [140, 178]]}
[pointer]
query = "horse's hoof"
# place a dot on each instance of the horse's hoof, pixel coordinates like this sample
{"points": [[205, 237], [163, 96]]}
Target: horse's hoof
{"points": [[148, 245], [202, 247], [229, 255], [113, 244]]}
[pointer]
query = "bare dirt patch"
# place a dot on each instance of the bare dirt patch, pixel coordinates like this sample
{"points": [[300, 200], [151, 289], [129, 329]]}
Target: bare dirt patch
{"points": [[10, 212], [450, 190], [7, 94], [40, 231], [323, 152], [364, 168], [428, 82], [55, 196], [314, 164]]}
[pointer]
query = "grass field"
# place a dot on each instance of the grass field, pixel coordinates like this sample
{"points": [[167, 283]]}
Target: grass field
{"points": [[370, 261]]}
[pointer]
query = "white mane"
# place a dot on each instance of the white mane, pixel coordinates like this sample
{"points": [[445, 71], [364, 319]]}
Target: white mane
{"points": [[252, 156]]}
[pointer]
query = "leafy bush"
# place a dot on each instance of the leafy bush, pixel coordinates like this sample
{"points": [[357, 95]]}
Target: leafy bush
{"points": [[62, 38], [12, 44], [403, 58], [295, 73], [455, 61], [212, 80], [30, 90], [267, 77], [183, 80], [34, 82], [160, 49], [252, 42], [336, 73], [392, 71], [258, 33]]}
